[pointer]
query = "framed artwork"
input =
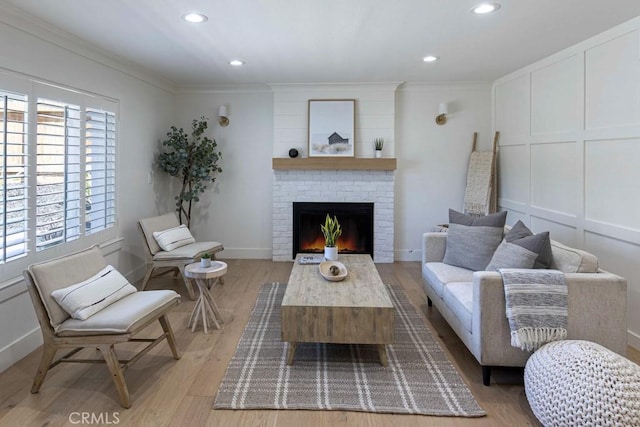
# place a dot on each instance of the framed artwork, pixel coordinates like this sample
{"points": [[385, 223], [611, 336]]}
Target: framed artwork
{"points": [[332, 127]]}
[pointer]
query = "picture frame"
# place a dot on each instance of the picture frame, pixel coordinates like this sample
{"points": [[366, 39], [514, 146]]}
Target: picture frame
{"points": [[332, 127]]}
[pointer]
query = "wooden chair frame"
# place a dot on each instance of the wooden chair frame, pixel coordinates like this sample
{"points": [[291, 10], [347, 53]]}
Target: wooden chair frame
{"points": [[104, 343]]}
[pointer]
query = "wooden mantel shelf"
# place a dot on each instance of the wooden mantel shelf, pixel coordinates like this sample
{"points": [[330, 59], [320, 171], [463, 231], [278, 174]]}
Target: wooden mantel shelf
{"points": [[334, 163]]}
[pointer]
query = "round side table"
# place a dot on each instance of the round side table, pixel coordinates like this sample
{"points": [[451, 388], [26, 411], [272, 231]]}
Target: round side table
{"points": [[206, 278]]}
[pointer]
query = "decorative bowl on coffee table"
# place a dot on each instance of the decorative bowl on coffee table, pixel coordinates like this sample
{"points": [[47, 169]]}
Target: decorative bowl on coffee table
{"points": [[328, 268]]}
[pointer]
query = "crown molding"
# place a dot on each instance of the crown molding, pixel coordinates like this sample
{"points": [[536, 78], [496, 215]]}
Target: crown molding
{"points": [[47, 33]]}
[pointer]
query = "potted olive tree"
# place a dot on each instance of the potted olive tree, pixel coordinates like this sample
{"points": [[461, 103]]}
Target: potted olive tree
{"points": [[331, 230], [193, 159]]}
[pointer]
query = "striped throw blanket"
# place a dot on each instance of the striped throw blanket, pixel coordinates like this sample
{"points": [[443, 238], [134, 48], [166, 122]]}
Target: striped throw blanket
{"points": [[536, 306]]}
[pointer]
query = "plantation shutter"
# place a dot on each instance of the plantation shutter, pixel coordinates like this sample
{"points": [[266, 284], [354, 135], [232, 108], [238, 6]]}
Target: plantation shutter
{"points": [[58, 173], [100, 170], [13, 179]]}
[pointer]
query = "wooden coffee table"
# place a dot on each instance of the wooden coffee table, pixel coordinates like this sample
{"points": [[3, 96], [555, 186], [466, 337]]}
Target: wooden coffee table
{"points": [[357, 310]]}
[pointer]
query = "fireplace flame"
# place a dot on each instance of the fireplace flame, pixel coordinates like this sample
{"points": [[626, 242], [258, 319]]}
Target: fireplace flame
{"points": [[347, 243]]}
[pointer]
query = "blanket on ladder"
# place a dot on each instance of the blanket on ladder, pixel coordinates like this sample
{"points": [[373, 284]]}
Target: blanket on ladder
{"points": [[536, 306]]}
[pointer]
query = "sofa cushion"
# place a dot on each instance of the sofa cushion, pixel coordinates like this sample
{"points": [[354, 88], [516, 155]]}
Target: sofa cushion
{"points": [[497, 219], [571, 260], [458, 296], [510, 255], [438, 274], [83, 300], [539, 243], [471, 241]]}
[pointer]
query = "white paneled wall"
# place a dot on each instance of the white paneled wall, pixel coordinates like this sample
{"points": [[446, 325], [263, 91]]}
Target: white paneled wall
{"points": [[570, 148]]}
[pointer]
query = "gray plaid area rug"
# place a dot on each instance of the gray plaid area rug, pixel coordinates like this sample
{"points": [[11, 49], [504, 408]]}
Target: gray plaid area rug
{"points": [[418, 380]]}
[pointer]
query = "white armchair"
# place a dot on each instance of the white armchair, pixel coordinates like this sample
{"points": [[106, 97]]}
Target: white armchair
{"points": [[116, 323], [175, 259]]}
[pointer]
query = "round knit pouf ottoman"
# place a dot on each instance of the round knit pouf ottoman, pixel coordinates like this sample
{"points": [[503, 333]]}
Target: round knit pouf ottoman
{"points": [[580, 383]]}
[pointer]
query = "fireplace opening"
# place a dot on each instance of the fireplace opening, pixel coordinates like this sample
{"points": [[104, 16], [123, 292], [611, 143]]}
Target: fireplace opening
{"points": [[356, 220]]}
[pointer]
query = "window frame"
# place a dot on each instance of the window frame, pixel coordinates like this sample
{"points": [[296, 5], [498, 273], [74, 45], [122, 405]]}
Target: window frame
{"points": [[34, 89]]}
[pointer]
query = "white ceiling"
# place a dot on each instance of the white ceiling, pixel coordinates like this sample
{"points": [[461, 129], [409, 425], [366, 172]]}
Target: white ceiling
{"points": [[315, 41]]}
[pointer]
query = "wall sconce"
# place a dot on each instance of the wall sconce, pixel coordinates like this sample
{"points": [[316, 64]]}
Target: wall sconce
{"points": [[443, 110], [223, 119]]}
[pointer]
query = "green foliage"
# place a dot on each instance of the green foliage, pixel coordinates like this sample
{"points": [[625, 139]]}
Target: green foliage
{"points": [[378, 143], [205, 256], [331, 230], [194, 160]]}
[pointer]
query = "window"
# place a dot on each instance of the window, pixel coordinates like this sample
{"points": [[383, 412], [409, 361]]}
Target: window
{"points": [[100, 163], [58, 170], [13, 181], [58, 173]]}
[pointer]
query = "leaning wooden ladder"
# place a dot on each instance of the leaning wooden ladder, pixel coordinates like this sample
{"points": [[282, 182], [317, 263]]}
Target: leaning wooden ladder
{"points": [[480, 196]]}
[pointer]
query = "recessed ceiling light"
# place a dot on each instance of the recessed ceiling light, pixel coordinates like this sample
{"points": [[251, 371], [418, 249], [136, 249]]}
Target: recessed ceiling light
{"points": [[236, 62], [483, 8], [195, 18], [430, 58]]}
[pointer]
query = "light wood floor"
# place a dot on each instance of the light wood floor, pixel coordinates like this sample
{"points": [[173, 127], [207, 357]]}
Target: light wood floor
{"points": [[166, 392]]}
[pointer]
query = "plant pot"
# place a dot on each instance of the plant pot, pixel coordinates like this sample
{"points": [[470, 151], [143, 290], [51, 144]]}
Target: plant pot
{"points": [[331, 253], [205, 262], [378, 154]]}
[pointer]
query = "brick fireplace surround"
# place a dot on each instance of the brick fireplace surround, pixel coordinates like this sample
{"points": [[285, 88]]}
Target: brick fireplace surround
{"points": [[373, 186]]}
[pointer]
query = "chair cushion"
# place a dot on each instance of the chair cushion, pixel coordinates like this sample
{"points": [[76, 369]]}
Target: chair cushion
{"points": [[174, 237], [189, 251], [438, 274], [458, 296], [123, 316], [82, 300], [61, 272], [157, 223]]}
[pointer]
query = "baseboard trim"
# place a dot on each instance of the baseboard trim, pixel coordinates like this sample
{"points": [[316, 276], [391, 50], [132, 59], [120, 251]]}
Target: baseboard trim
{"points": [[20, 348], [407, 255], [245, 253], [633, 340]]}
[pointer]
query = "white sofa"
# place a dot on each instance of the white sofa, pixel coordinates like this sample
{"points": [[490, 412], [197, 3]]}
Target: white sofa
{"points": [[473, 303]]}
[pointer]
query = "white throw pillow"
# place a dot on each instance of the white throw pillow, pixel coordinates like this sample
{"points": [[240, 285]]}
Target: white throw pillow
{"points": [[86, 298], [173, 238]]}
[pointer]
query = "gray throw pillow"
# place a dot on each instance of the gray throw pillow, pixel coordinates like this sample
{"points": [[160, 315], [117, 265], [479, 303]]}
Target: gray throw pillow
{"points": [[509, 255], [497, 219], [539, 243], [471, 241]]}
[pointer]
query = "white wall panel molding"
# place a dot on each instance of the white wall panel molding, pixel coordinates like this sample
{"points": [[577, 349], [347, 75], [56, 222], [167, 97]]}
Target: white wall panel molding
{"points": [[623, 132], [555, 216], [612, 86], [615, 32], [556, 96], [513, 205], [624, 234], [612, 182], [576, 173], [513, 107], [555, 138]]}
